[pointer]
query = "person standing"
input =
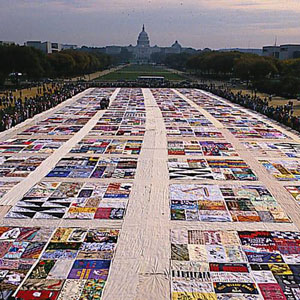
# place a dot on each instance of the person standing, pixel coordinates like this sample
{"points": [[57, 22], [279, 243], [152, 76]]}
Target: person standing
{"points": [[102, 103]]}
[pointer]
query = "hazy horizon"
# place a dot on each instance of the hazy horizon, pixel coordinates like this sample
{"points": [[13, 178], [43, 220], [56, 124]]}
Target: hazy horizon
{"points": [[194, 23]]}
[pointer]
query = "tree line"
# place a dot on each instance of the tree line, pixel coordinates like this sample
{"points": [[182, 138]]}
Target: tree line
{"points": [[35, 64], [267, 74]]}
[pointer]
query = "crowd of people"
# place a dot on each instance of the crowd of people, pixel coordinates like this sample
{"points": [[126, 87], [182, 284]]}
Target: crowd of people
{"points": [[15, 109], [281, 113]]}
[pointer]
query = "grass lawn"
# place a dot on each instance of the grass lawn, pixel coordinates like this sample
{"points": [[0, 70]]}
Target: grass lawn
{"points": [[132, 72]]}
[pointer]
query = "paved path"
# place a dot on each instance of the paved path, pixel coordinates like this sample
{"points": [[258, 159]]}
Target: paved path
{"points": [[95, 75]]}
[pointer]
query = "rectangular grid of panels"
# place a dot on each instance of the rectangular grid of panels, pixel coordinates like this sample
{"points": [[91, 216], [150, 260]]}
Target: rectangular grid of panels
{"points": [[30, 145], [95, 167], [234, 265], [268, 149], [225, 203], [75, 262], [241, 124], [53, 261], [125, 117], [73, 200], [201, 148], [283, 170], [108, 146], [226, 169], [181, 119]]}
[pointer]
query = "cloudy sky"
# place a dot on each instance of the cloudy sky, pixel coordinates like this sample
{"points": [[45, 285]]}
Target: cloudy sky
{"points": [[196, 23]]}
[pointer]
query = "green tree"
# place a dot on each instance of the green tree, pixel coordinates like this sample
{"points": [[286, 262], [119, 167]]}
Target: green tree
{"points": [[177, 61], [62, 64], [291, 67], [158, 57], [254, 67], [262, 67], [81, 59], [29, 61]]}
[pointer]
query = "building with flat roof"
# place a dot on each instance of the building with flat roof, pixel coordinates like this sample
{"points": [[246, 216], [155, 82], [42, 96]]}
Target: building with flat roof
{"points": [[113, 50], [271, 51], [47, 47], [287, 51], [68, 47]]}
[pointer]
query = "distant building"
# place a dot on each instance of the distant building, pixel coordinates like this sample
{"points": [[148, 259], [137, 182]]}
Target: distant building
{"points": [[6, 43], [68, 47], [271, 51], [92, 49], [288, 51], [36, 44], [176, 48], [46, 47], [142, 51], [243, 50], [113, 50]]}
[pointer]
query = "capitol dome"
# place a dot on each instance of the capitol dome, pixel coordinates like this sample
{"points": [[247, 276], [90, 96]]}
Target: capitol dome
{"points": [[143, 39], [176, 45]]}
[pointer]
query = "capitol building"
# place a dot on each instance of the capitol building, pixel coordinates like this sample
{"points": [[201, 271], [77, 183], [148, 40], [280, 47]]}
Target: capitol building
{"points": [[142, 51]]}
